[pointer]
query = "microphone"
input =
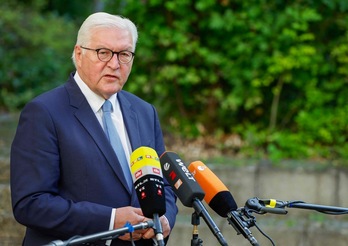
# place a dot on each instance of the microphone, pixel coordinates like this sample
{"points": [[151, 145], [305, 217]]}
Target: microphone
{"points": [[220, 199], [267, 205], [187, 189], [149, 186]]}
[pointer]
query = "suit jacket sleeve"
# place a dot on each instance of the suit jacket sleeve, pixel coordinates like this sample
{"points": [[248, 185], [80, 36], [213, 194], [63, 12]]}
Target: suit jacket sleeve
{"points": [[40, 199]]}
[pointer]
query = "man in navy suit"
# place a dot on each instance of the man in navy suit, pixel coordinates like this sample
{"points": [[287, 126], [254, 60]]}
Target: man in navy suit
{"points": [[66, 179]]}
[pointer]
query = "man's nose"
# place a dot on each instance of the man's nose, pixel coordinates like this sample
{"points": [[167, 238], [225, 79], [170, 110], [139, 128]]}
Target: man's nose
{"points": [[114, 62]]}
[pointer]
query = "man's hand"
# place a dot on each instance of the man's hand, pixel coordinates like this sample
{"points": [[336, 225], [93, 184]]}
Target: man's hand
{"points": [[133, 216], [150, 233]]}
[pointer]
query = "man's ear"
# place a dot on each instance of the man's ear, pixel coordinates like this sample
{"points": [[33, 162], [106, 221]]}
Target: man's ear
{"points": [[78, 54]]}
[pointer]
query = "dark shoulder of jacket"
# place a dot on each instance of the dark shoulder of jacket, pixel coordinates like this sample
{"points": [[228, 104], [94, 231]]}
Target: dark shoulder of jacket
{"points": [[132, 98]]}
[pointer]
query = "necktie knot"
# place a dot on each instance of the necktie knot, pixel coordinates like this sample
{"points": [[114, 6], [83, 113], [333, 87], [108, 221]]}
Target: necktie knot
{"points": [[107, 106]]}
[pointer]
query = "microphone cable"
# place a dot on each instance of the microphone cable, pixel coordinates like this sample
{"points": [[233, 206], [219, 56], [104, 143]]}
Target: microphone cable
{"points": [[245, 214]]}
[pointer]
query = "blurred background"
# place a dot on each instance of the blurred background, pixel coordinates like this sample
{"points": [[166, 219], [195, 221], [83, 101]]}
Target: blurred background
{"points": [[256, 89]]}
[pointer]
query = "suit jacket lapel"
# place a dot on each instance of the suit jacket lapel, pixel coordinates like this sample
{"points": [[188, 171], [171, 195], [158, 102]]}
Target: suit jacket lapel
{"points": [[131, 123], [88, 120], [130, 120]]}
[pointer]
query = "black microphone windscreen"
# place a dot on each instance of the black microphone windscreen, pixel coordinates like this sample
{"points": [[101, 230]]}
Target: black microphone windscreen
{"points": [[223, 203]]}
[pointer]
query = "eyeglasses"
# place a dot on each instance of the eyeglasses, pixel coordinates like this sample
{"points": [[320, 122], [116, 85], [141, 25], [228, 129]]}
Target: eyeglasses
{"points": [[105, 55]]}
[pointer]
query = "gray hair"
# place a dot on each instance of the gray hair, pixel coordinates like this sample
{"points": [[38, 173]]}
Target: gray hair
{"points": [[104, 20]]}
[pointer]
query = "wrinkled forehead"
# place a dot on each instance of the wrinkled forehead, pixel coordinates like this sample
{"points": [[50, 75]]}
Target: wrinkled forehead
{"points": [[111, 37]]}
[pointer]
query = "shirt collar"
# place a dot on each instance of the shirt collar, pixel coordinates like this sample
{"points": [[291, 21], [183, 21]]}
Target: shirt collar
{"points": [[93, 99]]}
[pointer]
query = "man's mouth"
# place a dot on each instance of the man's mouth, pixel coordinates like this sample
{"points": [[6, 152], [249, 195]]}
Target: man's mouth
{"points": [[110, 76]]}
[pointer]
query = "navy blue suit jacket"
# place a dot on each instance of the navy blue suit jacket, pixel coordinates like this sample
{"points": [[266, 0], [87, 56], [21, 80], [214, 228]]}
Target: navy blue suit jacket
{"points": [[65, 176]]}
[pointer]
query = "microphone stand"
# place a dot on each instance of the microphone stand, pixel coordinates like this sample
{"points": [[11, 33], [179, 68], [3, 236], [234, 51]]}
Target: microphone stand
{"points": [[241, 220], [195, 241], [319, 208], [158, 230], [107, 235], [263, 206], [201, 210]]}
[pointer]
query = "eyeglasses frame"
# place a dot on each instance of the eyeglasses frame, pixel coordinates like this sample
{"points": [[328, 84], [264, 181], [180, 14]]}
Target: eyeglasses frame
{"points": [[113, 53]]}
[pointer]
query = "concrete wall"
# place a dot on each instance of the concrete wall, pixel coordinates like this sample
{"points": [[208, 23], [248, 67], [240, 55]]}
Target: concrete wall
{"points": [[298, 228]]}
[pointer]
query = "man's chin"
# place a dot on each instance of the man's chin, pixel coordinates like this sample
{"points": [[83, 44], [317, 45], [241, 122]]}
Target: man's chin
{"points": [[111, 91]]}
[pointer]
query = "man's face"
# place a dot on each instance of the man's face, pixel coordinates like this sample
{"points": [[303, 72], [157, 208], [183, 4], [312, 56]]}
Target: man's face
{"points": [[104, 78]]}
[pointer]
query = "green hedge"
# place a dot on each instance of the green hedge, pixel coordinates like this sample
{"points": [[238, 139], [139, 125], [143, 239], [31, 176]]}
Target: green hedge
{"points": [[35, 51], [273, 73]]}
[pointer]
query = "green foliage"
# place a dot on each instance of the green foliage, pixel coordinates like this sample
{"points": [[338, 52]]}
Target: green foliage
{"points": [[35, 50], [272, 72]]}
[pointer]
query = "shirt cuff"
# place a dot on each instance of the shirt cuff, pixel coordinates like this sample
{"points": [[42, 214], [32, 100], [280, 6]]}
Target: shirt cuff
{"points": [[111, 225]]}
